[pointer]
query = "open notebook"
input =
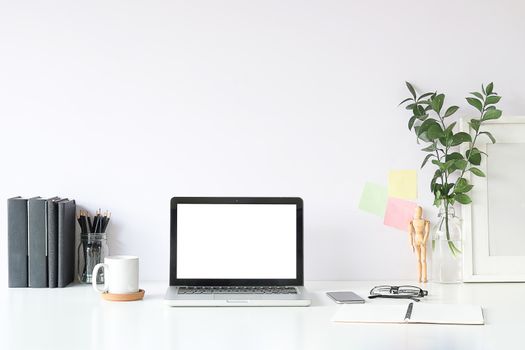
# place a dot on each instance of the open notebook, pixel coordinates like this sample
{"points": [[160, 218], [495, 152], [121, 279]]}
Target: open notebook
{"points": [[411, 313]]}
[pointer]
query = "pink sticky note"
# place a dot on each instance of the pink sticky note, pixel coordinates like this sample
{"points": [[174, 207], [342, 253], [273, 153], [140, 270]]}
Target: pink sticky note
{"points": [[399, 213]]}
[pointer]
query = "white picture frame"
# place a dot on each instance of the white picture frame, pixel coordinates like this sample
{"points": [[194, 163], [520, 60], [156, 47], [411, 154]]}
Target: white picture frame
{"points": [[494, 223]]}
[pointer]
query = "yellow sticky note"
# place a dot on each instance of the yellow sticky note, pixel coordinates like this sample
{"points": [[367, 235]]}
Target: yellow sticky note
{"points": [[402, 184]]}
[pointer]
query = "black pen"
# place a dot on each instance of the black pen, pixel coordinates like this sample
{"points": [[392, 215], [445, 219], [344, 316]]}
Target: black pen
{"points": [[409, 312], [90, 225], [86, 226], [95, 222]]}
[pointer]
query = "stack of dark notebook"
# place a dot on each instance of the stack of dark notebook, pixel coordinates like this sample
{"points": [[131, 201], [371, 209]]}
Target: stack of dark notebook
{"points": [[41, 242]]}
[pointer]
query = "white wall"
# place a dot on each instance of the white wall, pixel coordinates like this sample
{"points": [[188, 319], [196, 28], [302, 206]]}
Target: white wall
{"points": [[124, 104]]}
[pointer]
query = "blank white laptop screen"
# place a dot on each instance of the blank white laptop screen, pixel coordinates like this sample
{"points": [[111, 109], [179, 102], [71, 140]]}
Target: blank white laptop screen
{"points": [[236, 241]]}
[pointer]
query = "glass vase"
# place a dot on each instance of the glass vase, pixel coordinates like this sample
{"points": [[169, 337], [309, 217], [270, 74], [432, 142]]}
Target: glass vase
{"points": [[93, 248], [447, 247]]}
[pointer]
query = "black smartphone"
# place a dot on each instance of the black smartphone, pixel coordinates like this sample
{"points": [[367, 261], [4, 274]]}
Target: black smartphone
{"points": [[345, 297]]}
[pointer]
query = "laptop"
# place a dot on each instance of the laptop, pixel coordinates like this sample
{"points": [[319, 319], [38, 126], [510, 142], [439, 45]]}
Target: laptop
{"points": [[236, 251]]}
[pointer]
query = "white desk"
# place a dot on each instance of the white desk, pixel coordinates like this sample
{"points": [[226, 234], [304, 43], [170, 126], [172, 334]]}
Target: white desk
{"points": [[76, 318]]}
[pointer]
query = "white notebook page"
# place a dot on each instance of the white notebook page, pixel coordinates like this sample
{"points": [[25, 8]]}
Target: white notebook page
{"points": [[367, 313], [447, 314], [421, 313]]}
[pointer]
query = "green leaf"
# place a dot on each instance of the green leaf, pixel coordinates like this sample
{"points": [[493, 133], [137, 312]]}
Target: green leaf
{"points": [[450, 128], [441, 165], [474, 156], [405, 100], [478, 95], [416, 131], [423, 136], [418, 110], [426, 160], [483, 89], [434, 131], [477, 172], [491, 114], [446, 140], [454, 155], [488, 89], [450, 110], [462, 186], [437, 102], [465, 189], [460, 164], [461, 137], [425, 125], [430, 148], [463, 198], [492, 100], [475, 103], [452, 169], [411, 89], [447, 188], [474, 124], [411, 122], [492, 138], [425, 95], [461, 182], [448, 164], [421, 111]]}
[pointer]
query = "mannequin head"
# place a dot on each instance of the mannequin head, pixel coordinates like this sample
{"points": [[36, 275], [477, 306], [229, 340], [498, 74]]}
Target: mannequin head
{"points": [[418, 213]]}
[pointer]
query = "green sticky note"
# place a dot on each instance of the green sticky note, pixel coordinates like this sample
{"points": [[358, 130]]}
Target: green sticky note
{"points": [[374, 199], [402, 184]]}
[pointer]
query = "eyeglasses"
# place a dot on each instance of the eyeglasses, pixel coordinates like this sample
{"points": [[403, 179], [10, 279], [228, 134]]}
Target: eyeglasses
{"points": [[398, 292]]}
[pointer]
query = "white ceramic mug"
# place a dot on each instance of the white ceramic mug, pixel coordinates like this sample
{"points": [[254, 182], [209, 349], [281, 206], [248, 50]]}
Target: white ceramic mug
{"points": [[121, 274]]}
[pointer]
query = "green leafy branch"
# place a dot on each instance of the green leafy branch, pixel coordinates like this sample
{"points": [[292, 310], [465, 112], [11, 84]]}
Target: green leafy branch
{"points": [[431, 123]]}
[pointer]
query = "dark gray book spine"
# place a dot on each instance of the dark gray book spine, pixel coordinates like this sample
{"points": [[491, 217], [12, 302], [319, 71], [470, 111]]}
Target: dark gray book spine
{"points": [[52, 243], [37, 237], [66, 242], [17, 242]]}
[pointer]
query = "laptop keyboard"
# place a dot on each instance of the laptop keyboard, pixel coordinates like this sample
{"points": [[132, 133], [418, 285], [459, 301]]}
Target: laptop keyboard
{"points": [[238, 290]]}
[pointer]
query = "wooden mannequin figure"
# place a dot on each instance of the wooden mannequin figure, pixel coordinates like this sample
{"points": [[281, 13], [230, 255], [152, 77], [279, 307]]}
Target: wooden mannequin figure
{"points": [[418, 230]]}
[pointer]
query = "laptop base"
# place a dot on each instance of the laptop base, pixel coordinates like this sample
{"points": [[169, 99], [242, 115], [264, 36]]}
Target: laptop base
{"points": [[173, 298]]}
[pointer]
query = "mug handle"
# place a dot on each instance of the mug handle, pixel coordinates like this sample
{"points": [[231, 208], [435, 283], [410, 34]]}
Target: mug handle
{"points": [[94, 277]]}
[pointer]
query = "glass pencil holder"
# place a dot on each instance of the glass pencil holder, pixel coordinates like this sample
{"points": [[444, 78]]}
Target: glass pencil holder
{"points": [[92, 250]]}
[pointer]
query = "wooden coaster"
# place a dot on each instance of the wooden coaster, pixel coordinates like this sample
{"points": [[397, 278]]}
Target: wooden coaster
{"points": [[124, 297]]}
